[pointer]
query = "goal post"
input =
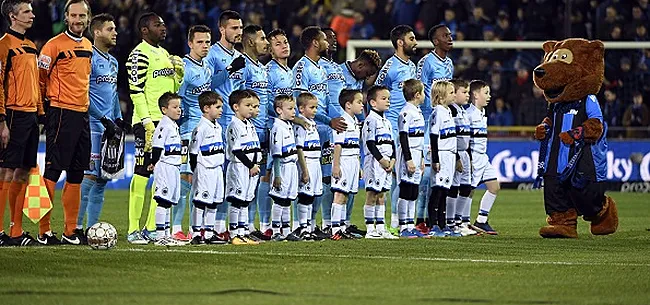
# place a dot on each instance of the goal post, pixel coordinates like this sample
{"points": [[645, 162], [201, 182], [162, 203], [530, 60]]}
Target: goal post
{"points": [[353, 45]]}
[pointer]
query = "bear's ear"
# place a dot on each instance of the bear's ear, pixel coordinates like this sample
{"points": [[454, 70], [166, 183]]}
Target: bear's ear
{"points": [[597, 46], [549, 45]]}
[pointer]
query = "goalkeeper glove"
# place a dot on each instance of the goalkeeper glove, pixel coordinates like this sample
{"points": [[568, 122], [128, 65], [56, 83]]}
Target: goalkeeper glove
{"points": [[179, 66], [236, 65], [111, 128], [149, 128]]}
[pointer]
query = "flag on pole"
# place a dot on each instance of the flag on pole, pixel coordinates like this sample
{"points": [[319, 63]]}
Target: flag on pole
{"points": [[37, 202]]}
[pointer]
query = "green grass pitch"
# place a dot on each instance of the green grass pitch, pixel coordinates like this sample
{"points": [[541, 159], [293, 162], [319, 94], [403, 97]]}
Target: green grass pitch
{"points": [[515, 267]]}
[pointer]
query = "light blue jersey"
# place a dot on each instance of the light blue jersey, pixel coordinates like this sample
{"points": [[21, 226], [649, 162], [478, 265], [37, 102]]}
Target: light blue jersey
{"points": [[104, 101], [197, 79], [351, 82], [393, 75], [280, 82], [256, 78], [218, 59], [335, 84], [433, 68], [310, 77]]}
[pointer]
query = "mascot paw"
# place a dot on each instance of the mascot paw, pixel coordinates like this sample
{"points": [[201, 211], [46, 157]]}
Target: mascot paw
{"points": [[566, 138], [540, 130], [606, 222], [561, 225]]}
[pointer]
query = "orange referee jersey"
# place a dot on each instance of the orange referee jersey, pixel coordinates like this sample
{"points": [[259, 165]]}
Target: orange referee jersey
{"points": [[64, 66], [19, 74]]}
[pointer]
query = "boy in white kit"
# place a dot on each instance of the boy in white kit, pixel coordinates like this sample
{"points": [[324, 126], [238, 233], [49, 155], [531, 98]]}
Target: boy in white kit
{"points": [[207, 154], [459, 194], [482, 172], [282, 148], [410, 157], [166, 162], [243, 152], [309, 169], [378, 162], [442, 133], [345, 161]]}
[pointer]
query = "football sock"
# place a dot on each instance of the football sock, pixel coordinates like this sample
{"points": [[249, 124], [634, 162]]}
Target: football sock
{"points": [[95, 202], [344, 212], [264, 203], [467, 208], [197, 221], [286, 220], [451, 210], [44, 225], [394, 201], [151, 221], [71, 196], [168, 221], [242, 224], [303, 211], [402, 211], [16, 196], [410, 204], [234, 221], [209, 221], [4, 187], [86, 186], [347, 215], [336, 217], [369, 215], [179, 210], [326, 201], [486, 205], [161, 218], [380, 213], [137, 190], [276, 218]]}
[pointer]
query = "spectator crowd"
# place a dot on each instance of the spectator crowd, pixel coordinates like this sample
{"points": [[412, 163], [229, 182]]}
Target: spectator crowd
{"points": [[515, 100]]}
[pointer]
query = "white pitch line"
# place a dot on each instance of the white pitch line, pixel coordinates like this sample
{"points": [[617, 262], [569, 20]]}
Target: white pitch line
{"points": [[399, 258]]}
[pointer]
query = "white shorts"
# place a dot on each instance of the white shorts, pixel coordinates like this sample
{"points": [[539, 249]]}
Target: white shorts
{"points": [[464, 177], [375, 177], [315, 185], [403, 173], [289, 187], [445, 176], [349, 180], [207, 184], [239, 183], [167, 179], [483, 170]]}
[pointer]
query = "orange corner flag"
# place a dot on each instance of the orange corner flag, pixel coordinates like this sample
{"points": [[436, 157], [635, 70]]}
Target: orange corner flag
{"points": [[37, 202]]}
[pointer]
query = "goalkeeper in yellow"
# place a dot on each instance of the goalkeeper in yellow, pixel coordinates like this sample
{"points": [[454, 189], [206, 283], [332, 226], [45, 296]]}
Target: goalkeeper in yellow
{"points": [[152, 72]]}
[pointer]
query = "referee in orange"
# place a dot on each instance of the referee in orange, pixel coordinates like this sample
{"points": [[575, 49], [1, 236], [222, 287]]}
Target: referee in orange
{"points": [[20, 108], [64, 65]]}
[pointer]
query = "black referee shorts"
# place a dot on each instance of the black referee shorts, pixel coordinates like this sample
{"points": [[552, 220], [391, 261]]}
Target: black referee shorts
{"points": [[67, 140], [22, 149]]}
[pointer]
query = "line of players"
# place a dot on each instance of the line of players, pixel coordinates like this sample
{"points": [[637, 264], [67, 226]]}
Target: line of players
{"points": [[221, 69]]}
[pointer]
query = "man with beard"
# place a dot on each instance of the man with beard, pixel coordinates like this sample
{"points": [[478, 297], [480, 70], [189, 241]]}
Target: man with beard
{"points": [[256, 78], [105, 115], [226, 63], [397, 69], [64, 67], [197, 79], [152, 72], [20, 109], [311, 76], [434, 66]]}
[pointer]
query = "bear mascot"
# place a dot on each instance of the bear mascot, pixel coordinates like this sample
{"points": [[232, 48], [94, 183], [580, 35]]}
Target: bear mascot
{"points": [[573, 148]]}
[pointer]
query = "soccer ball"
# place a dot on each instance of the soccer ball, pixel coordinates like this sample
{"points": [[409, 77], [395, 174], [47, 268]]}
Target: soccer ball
{"points": [[102, 236]]}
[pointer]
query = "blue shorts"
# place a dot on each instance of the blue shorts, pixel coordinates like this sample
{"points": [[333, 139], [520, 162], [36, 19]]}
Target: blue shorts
{"points": [[95, 152], [327, 149]]}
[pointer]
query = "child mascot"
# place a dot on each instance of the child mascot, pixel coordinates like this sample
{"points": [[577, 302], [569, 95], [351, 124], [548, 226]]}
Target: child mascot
{"points": [[573, 162]]}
